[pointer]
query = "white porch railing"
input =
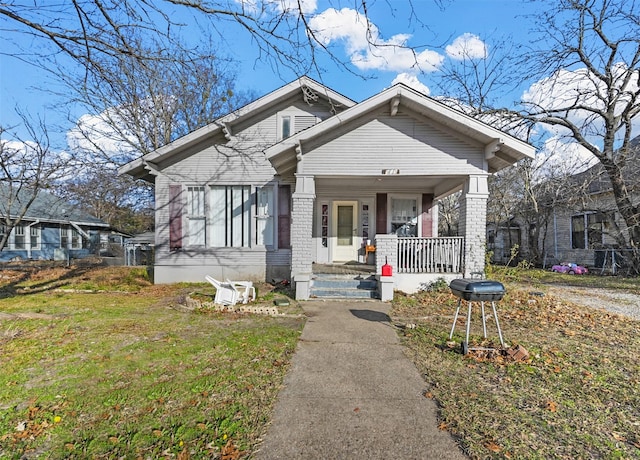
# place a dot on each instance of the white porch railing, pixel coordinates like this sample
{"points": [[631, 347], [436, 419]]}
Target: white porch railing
{"points": [[430, 255]]}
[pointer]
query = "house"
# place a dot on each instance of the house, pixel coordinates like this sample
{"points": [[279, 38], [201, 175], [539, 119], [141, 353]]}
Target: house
{"points": [[305, 176], [51, 229], [577, 221], [591, 231]]}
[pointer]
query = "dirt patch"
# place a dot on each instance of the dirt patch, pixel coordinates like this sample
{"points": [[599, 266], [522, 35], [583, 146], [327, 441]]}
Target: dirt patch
{"points": [[614, 301]]}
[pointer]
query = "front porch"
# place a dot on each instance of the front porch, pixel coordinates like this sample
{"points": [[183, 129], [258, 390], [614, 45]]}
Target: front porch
{"points": [[416, 262]]}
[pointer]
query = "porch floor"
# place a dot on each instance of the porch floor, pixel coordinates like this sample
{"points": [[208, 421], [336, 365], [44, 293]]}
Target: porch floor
{"points": [[347, 268]]}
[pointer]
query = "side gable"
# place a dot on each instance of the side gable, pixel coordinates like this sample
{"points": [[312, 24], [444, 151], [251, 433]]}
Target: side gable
{"points": [[306, 100]]}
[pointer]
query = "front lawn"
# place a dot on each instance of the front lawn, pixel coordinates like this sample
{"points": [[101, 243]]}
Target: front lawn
{"points": [[577, 396], [99, 363]]}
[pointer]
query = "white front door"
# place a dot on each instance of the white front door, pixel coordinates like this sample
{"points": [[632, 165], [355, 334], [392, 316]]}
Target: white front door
{"points": [[345, 231]]}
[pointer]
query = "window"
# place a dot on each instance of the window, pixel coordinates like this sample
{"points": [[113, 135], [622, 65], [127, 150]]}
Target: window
{"points": [[230, 214], [196, 216], [264, 216], [76, 240], [18, 237], [64, 237], [35, 236], [286, 126], [404, 217], [70, 238], [587, 230], [292, 124]]}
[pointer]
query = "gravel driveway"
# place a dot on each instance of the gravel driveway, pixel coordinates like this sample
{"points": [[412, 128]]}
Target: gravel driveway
{"points": [[623, 303]]}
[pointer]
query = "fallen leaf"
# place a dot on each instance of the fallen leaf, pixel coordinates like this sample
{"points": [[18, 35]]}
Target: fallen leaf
{"points": [[551, 406], [492, 446], [618, 436]]}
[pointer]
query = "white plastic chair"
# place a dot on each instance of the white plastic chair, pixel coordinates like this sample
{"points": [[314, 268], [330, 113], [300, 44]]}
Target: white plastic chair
{"points": [[245, 289], [226, 293], [230, 292]]}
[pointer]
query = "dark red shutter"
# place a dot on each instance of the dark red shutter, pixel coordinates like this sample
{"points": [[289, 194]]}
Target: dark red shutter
{"points": [[284, 216], [175, 217], [381, 213], [427, 215]]}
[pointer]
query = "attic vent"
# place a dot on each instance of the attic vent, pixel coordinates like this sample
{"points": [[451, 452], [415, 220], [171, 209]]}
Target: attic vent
{"points": [[304, 121]]}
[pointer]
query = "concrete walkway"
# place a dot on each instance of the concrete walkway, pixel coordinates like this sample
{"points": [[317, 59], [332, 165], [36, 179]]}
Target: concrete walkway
{"points": [[352, 394]]}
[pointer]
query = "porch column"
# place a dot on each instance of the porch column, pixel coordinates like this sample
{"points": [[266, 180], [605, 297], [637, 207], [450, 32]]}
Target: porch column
{"points": [[473, 224], [301, 234]]}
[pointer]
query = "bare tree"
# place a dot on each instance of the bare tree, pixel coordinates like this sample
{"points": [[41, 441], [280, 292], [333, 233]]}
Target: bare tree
{"points": [[587, 61], [136, 105], [89, 30], [26, 169], [126, 204]]}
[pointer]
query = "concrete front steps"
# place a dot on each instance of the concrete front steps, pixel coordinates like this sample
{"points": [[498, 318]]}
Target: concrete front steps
{"points": [[344, 286]]}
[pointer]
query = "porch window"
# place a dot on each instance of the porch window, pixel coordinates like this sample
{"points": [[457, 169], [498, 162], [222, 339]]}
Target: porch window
{"points": [[230, 214], [18, 237], [404, 217], [587, 230], [265, 209], [196, 215]]}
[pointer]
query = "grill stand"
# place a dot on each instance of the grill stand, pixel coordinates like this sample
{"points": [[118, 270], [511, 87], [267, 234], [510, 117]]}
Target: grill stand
{"points": [[465, 344]]}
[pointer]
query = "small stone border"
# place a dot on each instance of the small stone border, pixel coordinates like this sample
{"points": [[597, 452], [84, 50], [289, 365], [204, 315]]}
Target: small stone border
{"points": [[193, 304]]}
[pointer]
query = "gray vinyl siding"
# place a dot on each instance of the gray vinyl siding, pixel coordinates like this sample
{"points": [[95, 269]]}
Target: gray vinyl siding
{"points": [[401, 142]]}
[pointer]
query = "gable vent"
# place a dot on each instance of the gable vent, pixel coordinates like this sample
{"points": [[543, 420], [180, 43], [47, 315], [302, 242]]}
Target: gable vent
{"points": [[303, 122]]}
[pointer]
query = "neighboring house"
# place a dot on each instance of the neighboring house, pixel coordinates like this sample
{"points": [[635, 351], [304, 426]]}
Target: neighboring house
{"points": [[581, 223], [51, 229], [592, 232], [305, 176]]}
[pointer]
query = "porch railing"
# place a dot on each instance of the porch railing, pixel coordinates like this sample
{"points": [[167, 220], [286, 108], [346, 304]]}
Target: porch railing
{"points": [[430, 255]]}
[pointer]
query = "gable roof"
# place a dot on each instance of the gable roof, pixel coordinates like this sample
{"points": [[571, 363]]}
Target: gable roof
{"points": [[501, 149], [48, 208], [141, 168]]}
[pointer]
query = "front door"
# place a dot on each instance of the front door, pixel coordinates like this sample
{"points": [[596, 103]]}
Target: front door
{"points": [[345, 231]]}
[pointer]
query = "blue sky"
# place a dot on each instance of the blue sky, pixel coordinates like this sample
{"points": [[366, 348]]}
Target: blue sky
{"points": [[432, 30]]}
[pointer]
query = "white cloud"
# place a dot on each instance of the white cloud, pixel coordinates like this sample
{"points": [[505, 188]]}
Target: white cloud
{"points": [[411, 81], [568, 88], [560, 156], [93, 135], [366, 49], [467, 46]]}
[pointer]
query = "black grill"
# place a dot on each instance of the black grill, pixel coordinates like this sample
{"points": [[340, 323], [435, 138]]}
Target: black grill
{"points": [[476, 291]]}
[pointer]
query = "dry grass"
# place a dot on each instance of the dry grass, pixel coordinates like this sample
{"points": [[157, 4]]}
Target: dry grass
{"points": [[577, 396]]}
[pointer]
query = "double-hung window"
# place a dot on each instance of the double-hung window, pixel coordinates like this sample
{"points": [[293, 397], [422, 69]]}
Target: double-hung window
{"points": [[230, 215], [18, 237], [196, 216], [265, 209], [587, 230], [34, 233], [70, 238]]}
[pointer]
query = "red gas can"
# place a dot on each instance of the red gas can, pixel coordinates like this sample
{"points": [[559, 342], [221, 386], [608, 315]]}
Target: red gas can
{"points": [[386, 270]]}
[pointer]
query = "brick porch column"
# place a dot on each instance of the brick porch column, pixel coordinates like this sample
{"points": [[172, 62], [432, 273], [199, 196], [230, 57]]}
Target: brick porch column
{"points": [[473, 224], [301, 234]]}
